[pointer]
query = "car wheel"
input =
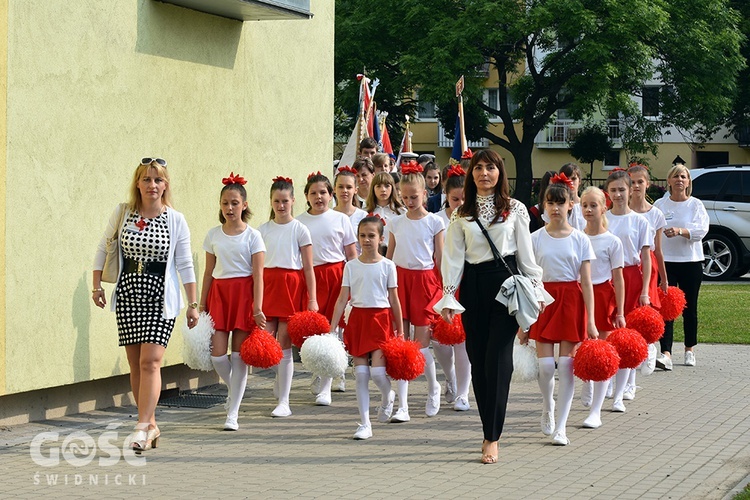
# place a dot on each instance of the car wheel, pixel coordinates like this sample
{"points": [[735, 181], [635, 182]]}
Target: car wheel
{"points": [[720, 257]]}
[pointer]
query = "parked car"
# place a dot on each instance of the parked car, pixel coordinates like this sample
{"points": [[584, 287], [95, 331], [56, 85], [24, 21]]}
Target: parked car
{"points": [[725, 192]]}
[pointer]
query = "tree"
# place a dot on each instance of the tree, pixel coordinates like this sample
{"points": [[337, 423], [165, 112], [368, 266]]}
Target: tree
{"points": [[739, 119], [591, 144], [586, 56]]}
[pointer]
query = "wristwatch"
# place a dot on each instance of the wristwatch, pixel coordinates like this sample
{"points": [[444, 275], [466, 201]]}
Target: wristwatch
{"points": [[193, 305]]}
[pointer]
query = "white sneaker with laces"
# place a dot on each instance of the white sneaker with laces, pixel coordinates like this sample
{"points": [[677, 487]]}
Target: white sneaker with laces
{"points": [[618, 406], [282, 410], [401, 415], [629, 394], [664, 362], [231, 424], [363, 432], [689, 358], [385, 412], [548, 421], [450, 392], [592, 422], [432, 407], [323, 399], [587, 393], [461, 404], [648, 366], [560, 439]]}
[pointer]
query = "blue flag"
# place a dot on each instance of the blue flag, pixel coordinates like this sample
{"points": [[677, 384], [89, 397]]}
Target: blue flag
{"points": [[456, 153]]}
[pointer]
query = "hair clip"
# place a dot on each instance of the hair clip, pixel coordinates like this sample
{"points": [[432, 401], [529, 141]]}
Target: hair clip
{"points": [[234, 179], [283, 179], [561, 179], [347, 168], [411, 168], [456, 171], [371, 214], [313, 174], [467, 155]]}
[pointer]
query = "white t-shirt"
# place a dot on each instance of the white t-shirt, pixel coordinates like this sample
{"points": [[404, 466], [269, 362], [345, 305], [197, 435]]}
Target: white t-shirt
{"points": [[656, 221], [283, 243], [443, 215], [234, 254], [634, 232], [330, 231], [387, 214], [415, 241], [561, 258], [608, 250], [690, 214], [369, 283]]}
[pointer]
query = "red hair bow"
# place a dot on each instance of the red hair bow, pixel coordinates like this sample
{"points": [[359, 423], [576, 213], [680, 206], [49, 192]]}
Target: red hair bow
{"points": [[561, 179], [411, 168], [467, 155], [456, 171], [371, 214], [234, 179], [618, 169], [283, 179], [347, 168], [313, 174]]}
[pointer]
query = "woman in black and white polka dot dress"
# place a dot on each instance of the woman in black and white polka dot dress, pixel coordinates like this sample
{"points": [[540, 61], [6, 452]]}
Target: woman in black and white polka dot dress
{"points": [[154, 248]]}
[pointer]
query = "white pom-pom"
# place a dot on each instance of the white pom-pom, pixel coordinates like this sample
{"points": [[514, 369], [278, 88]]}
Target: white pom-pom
{"points": [[324, 355], [196, 347], [525, 363]]}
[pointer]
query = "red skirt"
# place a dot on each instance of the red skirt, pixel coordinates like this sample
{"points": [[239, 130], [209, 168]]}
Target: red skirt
{"points": [[328, 286], [284, 292], [653, 284], [605, 306], [367, 328], [418, 291], [565, 318], [633, 278], [230, 303]]}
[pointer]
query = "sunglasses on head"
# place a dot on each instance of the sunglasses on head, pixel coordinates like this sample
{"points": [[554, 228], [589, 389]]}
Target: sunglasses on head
{"points": [[148, 161]]}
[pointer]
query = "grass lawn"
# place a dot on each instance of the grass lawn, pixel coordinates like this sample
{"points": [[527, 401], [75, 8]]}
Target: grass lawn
{"points": [[723, 315]]}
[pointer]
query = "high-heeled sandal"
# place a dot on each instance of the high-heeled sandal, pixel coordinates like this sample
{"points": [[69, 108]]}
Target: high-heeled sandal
{"points": [[488, 458], [152, 437], [139, 438]]}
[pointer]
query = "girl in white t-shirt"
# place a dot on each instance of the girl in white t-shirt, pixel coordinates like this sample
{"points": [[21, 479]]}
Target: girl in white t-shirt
{"points": [[565, 255], [289, 280], [637, 237], [416, 243], [382, 200], [453, 359], [233, 289], [609, 289], [371, 282], [332, 245], [345, 188]]}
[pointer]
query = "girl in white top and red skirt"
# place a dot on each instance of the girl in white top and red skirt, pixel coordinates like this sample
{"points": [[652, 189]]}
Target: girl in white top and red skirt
{"points": [[636, 236], [609, 289], [371, 282], [383, 201], [564, 253], [289, 280], [345, 188], [416, 243], [233, 289], [332, 245]]}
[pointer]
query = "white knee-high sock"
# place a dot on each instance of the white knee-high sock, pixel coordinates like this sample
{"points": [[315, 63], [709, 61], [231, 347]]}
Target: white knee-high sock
{"points": [[223, 367], [377, 374], [463, 370], [566, 391], [444, 355], [285, 374], [430, 372], [621, 381], [239, 382], [325, 386], [402, 389], [362, 378], [547, 381], [600, 390], [631, 378]]}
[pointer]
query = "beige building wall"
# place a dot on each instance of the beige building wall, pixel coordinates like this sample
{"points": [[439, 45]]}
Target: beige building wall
{"points": [[93, 86]]}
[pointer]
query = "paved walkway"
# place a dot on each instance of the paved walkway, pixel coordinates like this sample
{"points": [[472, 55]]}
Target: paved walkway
{"points": [[686, 435]]}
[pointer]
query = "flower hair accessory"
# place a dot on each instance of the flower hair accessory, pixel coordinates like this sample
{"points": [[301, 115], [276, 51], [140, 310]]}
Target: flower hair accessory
{"points": [[234, 179], [313, 174], [371, 214], [347, 168], [561, 179], [283, 179], [467, 155], [411, 168], [456, 171]]}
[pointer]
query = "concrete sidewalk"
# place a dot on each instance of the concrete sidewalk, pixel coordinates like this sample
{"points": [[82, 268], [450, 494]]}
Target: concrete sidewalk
{"points": [[686, 435]]}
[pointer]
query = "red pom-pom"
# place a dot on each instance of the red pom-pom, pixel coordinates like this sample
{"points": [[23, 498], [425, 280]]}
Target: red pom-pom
{"points": [[596, 360], [306, 324], [403, 358], [261, 349], [672, 303], [631, 347], [449, 333], [647, 321]]}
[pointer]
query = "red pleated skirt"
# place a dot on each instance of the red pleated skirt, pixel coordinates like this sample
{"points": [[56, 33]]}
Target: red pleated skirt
{"points": [[653, 284], [230, 304], [605, 306], [633, 278], [565, 318], [328, 286], [418, 291], [284, 292], [367, 328]]}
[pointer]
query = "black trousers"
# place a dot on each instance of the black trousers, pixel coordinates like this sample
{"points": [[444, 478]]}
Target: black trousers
{"points": [[490, 332], [687, 276]]}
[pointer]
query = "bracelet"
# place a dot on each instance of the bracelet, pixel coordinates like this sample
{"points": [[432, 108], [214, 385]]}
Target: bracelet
{"points": [[620, 316], [645, 295], [258, 314], [100, 289]]}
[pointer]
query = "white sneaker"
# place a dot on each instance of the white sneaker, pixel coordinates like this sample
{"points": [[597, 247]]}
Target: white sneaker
{"points": [[560, 439], [432, 407], [664, 362], [587, 393], [648, 366], [363, 432], [315, 385], [231, 424], [323, 399], [401, 415], [385, 412], [282, 410], [592, 422], [548, 421], [689, 358], [339, 384], [629, 394], [450, 392], [461, 404], [618, 406]]}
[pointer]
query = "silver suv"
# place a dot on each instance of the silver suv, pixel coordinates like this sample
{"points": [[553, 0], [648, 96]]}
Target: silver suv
{"points": [[725, 192]]}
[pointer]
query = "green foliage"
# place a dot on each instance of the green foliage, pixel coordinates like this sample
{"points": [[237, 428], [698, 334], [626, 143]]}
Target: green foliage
{"points": [[591, 144]]}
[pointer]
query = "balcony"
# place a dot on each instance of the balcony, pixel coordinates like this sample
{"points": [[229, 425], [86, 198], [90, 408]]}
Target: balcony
{"points": [[250, 10], [742, 134], [559, 134], [445, 142]]}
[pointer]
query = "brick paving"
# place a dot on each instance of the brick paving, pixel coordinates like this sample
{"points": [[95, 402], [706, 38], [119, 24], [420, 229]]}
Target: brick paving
{"points": [[686, 435]]}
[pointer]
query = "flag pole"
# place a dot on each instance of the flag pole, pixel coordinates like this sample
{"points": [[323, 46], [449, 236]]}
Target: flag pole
{"points": [[459, 92]]}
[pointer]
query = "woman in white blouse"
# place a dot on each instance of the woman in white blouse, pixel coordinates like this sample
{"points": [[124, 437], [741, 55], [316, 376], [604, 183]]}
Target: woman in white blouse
{"points": [[468, 261], [687, 224]]}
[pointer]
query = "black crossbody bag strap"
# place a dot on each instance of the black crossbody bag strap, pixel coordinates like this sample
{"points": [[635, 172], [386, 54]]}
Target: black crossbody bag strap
{"points": [[495, 252]]}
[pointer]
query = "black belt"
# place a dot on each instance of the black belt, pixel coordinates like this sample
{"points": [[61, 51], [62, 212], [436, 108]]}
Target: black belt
{"points": [[140, 267]]}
